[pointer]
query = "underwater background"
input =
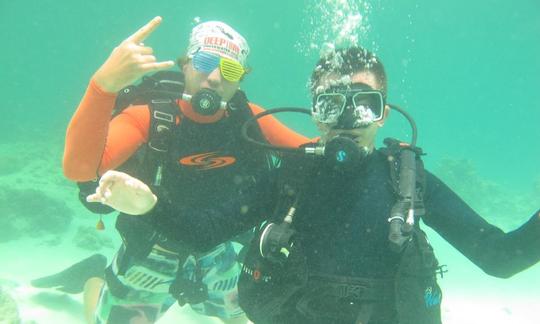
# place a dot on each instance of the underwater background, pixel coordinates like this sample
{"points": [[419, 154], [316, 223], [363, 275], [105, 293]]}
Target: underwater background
{"points": [[467, 71]]}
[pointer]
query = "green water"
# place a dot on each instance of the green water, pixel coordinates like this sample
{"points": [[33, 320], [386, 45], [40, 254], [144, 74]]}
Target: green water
{"points": [[468, 72]]}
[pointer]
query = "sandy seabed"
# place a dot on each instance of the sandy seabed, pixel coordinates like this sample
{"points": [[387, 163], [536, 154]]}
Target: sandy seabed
{"points": [[470, 296]]}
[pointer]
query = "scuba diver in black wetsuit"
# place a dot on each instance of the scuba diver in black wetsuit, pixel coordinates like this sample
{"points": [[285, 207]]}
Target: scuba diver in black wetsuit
{"points": [[345, 244]]}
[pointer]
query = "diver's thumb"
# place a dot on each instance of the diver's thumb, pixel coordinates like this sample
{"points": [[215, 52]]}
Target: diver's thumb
{"points": [[94, 198]]}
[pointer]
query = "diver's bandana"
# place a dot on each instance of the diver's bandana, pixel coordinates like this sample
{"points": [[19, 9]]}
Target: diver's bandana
{"points": [[218, 38], [206, 62], [349, 106]]}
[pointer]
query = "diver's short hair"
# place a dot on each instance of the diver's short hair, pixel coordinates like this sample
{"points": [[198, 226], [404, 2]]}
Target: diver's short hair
{"points": [[348, 61]]}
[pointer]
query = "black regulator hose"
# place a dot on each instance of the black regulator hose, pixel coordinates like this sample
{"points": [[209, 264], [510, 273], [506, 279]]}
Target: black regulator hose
{"points": [[252, 120], [411, 122]]}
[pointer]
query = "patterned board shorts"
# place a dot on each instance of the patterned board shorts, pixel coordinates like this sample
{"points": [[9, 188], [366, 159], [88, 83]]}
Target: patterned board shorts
{"points": [[148, 285]]}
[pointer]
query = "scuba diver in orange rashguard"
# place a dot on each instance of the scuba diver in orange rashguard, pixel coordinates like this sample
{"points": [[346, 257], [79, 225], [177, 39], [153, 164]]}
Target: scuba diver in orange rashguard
{"points": [[183, 140]]}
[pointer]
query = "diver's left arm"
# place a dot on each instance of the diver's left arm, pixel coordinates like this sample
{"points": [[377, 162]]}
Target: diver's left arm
{"points": [[498, 253]]}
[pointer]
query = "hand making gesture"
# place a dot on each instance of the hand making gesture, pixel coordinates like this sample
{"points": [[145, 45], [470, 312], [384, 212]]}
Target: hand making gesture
{"points": [[124, 193], [130, 60]]}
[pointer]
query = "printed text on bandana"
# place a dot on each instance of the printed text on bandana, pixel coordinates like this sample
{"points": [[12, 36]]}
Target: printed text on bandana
{"points": [[222, 45]]}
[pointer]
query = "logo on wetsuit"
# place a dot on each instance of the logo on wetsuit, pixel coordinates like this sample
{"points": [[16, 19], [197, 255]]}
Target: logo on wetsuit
{"points": [[432, 297], [256, 274], [207, 161]]}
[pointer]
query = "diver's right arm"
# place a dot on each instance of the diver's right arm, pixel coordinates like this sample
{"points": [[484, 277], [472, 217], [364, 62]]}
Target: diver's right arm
{"points": [[89, 135], [199, 228], [94, 142]]}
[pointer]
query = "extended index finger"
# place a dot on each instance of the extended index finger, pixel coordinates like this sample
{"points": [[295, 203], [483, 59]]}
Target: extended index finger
{"points": [[141, 34]]}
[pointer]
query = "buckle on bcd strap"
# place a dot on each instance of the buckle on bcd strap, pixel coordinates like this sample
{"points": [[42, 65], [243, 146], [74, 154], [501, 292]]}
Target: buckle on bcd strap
{"points": [[163, 120], [187, 291]]}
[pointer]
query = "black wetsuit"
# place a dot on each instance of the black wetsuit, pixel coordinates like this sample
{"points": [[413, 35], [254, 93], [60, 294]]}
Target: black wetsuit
{"points": [[208, 180], [342, 226]]}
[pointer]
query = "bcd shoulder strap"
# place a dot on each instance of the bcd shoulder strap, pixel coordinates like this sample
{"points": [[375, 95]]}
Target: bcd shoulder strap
{"points": [[240, 112], [393, 151], [163, 116], [160, 85]]}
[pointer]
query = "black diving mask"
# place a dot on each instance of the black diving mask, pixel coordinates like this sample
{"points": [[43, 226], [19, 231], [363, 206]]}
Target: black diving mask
{"points": [[348, 106]]}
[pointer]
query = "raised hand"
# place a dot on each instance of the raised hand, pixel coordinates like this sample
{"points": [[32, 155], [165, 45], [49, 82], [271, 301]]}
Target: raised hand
{"points": [[123, 193], [130, 60]]}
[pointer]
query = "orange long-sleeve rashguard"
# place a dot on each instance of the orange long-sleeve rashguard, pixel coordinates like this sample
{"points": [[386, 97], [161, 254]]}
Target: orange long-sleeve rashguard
{"points": [[95, 143]]}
